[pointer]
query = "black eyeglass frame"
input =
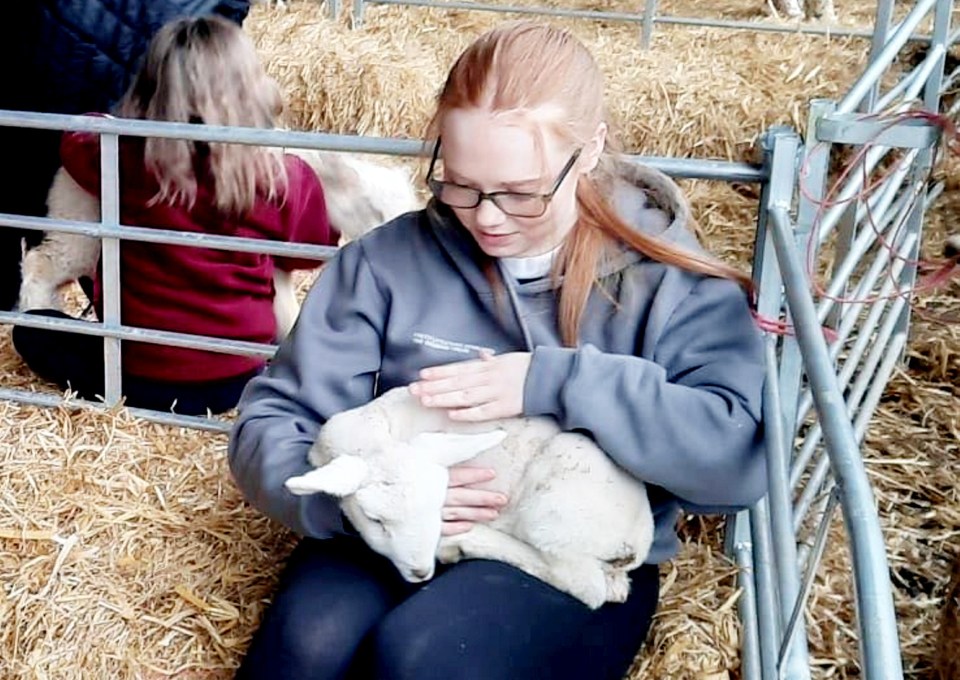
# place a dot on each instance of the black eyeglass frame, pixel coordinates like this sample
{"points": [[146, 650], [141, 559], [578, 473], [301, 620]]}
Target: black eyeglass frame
{"points": [[436, 187]]}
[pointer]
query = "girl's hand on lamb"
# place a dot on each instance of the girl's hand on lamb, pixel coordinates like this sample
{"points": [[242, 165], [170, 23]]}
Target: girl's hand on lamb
{"points": [[467, 504], [487, 388]]}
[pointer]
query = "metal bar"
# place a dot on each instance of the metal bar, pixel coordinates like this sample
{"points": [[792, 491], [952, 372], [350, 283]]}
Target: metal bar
{"points": [[938, 47], [884, 58], [768, 618], [631, 17], [741, 547], [810, 571], [814, 485], [881, 29], [781, 148], [766, 277], [851, 129], [792, 659], [649, 15], [872, 398], [171, 237], [880, 646], [110, 263], [687, 168], [842, 245], [212, 133], [357, 13], [676, 167], [224, 346], [49, 400], [811, 183], [768, 27]]}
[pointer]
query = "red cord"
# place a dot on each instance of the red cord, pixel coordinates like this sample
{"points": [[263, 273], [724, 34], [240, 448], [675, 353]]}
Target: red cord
{"points": [[934, 273]]}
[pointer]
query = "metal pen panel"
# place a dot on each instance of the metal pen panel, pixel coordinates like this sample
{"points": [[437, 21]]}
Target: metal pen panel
{"points": [[880, 646], [110, 259]]}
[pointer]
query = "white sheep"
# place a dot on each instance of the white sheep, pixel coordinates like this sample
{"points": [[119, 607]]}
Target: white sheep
{"points": [[574, 519], [360, 195], [800, 9]]}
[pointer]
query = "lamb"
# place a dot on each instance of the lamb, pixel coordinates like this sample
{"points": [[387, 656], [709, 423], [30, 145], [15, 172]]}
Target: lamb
{"points": [[574, 519], [360, 195], [800, 9]]}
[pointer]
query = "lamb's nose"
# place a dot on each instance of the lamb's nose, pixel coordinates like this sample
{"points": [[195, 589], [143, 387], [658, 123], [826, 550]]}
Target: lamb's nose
{"points": [[421, 574]]}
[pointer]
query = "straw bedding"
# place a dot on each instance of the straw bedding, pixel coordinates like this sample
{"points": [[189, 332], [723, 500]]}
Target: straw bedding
{"points": [[126, 552]]}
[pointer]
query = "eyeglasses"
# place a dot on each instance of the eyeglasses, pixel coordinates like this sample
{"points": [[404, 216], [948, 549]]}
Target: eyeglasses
{"points": [[514, 203]]}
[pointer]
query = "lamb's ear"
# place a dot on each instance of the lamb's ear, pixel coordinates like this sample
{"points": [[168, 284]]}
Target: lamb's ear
{"points": [[448, 448], [340, 477]]}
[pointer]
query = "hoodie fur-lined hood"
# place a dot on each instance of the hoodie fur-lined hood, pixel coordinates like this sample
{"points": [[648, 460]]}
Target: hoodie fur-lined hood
{"points": [[645, 198]]}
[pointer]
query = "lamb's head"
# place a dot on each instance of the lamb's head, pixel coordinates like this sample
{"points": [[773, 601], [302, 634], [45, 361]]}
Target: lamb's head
{"points": [[394, 497]]}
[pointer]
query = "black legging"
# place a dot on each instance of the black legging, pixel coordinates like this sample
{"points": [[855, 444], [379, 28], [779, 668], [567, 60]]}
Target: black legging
{"points": [[342, 611], [75, 361]]}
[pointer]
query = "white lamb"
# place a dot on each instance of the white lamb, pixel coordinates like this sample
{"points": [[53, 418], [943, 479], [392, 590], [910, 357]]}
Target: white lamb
{"points": [[574, 519], [360, 195]]}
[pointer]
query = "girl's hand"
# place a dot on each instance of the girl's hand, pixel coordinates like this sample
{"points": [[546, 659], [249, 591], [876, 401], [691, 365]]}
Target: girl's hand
{"points": [[467, 504], [487, 388]]}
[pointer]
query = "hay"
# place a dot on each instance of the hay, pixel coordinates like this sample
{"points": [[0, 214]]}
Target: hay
{"points": [[126, 552]]}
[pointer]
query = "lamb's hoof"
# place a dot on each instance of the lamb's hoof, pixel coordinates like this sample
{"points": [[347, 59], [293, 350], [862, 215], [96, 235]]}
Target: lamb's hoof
{"points": [[593, 597], [449, 551], [586, 583], [618, 586]]}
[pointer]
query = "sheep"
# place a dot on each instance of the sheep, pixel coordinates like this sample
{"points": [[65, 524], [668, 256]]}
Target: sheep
{"points": [[360, 195], [799, 9], [574, 519]]}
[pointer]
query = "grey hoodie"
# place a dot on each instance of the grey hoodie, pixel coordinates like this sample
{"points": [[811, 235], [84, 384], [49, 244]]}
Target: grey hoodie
{"points": [[668, 381]]}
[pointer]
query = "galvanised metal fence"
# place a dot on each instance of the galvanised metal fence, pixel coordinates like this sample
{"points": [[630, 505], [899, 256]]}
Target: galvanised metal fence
{"points": [[819, 395], [111, 232], [822, 387], [647, 17]]}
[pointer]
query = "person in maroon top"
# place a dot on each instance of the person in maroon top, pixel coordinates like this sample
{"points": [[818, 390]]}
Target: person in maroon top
{"points": [[198, 70]]}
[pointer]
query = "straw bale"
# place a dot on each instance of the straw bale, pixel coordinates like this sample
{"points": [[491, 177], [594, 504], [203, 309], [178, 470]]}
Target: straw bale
{"points": [[126, 551]]}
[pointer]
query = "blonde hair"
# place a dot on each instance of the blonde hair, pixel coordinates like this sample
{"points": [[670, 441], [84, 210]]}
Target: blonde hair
{"points": [[534, 68], [206, 70]]}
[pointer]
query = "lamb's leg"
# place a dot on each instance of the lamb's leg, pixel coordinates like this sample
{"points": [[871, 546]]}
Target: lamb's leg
{"points": [[618, 584], [788, 8], [60, 259], [580, 577], [822, 10], [285, 305]]}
